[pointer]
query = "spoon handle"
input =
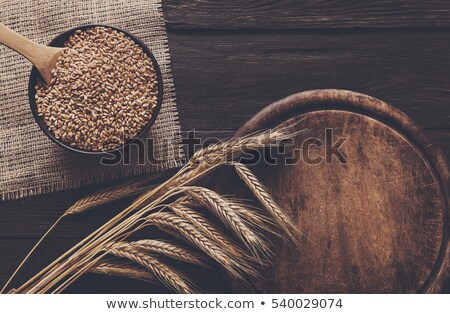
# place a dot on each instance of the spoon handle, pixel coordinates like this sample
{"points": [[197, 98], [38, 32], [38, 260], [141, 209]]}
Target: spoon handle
{"points": [[24, 46], [43, 57]]}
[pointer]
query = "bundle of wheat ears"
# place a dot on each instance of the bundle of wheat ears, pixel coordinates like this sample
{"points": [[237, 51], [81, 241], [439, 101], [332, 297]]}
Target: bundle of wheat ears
{"points": [[235, 240]]}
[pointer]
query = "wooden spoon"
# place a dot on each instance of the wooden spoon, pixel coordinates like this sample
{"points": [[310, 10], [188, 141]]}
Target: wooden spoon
{"points": [[43, 57]]}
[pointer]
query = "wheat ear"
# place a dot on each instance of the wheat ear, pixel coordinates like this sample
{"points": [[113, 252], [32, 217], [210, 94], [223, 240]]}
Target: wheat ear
{"points": [[111, 194], [220, 207], [260, 192], [171, 221], [253, 215], [118, 269], [165, 273], [250, 213], [220, 153], [169, 249], [209, 230]]}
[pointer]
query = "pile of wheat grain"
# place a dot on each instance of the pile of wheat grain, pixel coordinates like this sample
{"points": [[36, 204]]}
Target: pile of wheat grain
{"points": [[103, 92]]}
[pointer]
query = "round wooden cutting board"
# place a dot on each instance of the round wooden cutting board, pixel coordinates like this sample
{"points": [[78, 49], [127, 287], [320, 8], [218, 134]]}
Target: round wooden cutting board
{"points": [[368, 190]]}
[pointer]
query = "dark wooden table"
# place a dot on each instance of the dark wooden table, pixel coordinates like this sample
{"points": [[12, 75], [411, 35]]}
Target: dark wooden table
{"points": [[232, 58]]}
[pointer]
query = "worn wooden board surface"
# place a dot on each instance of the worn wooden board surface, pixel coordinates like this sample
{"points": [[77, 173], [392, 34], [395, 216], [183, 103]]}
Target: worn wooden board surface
{"points": [[374, 221], [232, 58]]}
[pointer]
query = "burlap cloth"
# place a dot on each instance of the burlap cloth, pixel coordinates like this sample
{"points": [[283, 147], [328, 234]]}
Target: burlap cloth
{"points": [[30, 163]]}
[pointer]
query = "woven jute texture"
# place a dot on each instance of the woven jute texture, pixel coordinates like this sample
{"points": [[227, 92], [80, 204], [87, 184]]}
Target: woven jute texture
{"points": [[30, 163]]}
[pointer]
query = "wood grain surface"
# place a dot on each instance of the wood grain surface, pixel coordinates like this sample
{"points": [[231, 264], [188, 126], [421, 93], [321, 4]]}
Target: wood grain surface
{"points": [[236, 74], [376, 221], [264, 14], [232, 58]]}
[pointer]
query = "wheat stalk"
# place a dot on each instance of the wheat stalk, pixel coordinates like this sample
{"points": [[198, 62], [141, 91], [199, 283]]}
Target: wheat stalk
{"points": [[89, 247], [102, 197], [164, 272], [88, 252], [169, 249]]}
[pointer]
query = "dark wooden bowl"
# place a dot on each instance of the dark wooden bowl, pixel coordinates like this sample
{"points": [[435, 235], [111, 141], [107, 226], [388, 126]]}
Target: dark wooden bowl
{"points": [[59, 41], [376, 224]]}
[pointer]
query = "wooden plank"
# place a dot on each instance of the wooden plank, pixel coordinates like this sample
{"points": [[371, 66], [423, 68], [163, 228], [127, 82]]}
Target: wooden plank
{"points": [[292, 14], [32, 217], [231, 76]]}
